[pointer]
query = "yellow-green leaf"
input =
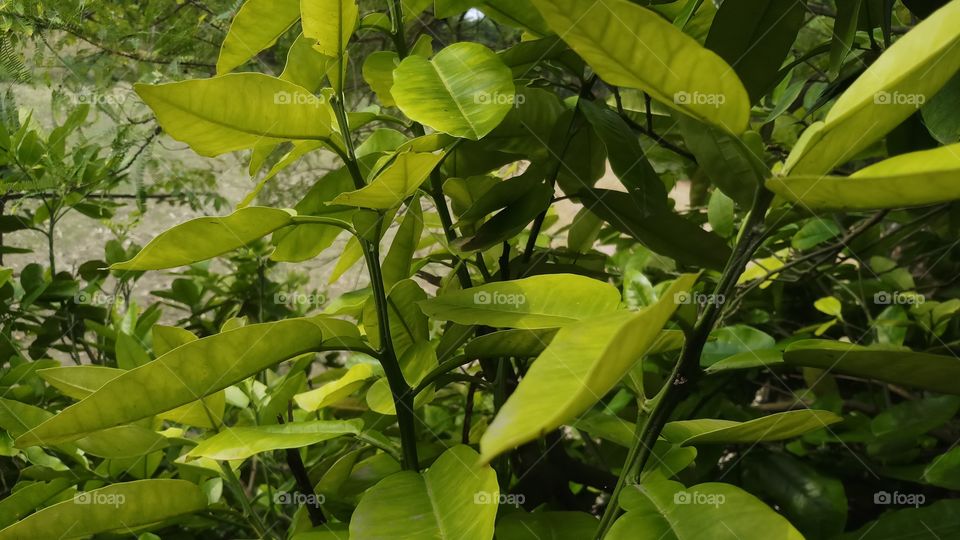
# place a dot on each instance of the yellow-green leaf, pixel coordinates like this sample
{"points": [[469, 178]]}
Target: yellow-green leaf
{"points": [[206, 114], [631, 46], [245, 441], [584, 361], [774, 427], [255, 27], [337, 390], [394, 183], [330, 23]]}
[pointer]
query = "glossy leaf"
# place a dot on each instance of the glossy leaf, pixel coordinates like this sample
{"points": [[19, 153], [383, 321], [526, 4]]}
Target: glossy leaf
{"points": [[583, 362], [336, 390], [940, 519], [773, 427], [914, 179], [908, 368], [204, 114], [915, 67], [256, 26], [667, 509], [464, 90], [528, 303], [631, 46], [207, 237], [395, 182], [117, 507], [330, 23], [242, 442], [454, 499], [181, 376]]}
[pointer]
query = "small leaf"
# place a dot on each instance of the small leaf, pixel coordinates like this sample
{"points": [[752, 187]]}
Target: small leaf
{"points": [[335, 391], [245, 441]]}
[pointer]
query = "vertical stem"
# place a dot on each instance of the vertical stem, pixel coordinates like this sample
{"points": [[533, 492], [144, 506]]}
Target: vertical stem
{"points": [[687, 370]]}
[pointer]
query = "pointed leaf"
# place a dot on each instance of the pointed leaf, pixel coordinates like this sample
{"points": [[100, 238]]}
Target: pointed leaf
{"points": [[396, 182], [245, 441], [256, 26], [330, 23], [773, 427]]}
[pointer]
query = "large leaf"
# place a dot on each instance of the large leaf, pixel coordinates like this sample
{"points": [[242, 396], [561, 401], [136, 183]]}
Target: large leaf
{"points": [[118, 507], [774, 427], [711, 511], [938, 520], [255, 27], [205, 113], [629, 45], [755, 37], [206, 237], [465, 90], [245, 441], [917, 178], [528, 303], [908, 368], [330, 23], [397, 181], [911, 71], [452, 500], [583, 362], [181, 376]]}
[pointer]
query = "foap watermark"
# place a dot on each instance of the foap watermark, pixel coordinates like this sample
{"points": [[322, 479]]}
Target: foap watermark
{"points": [[297, 498], [299, 299], [96, 298], [696, 497], [899, 98], [900, 499], [497, 98], [109, 499], [698, 298], [885, 298], [91, 96], [296, 98], [510, 499], [699, 98], [486, 298]]}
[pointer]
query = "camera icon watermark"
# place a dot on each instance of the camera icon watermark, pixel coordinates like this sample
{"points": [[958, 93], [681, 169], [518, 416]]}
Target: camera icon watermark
{"points": [[497, 98], [899, 98], [510, 499], [884, 298], [295, 299], [297, 498], [297, 98], [108, 499], [696, 497], [487, 298], [700, 299], [901, 499], [699, 98]]}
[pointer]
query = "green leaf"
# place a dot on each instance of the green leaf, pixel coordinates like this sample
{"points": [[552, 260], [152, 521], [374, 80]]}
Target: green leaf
{"points": [[814, 503], [938, 520], [206, 237], [908, 368], [528, 303], [199, 112], [378, 72], [256, 26], [914, 68], [813, 233], [731, 164], [504, 343], [335, 391], [245, 441], [26, 498], [122, 442], [844, 32], [583, 362], [330, 23], [543, 525], [914, 179], [631, 46], [829, 305], [181, 376], [308, 67], [665, 233], [465, 90], [397, 181], [667, 509], [755, 37], [118, 507], [747, 360], [720, 213], [452, 500], [774, 427], [398, 264]]}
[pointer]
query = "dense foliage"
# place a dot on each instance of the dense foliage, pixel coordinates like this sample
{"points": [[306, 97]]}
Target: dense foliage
{"points": [[630, 270]]}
